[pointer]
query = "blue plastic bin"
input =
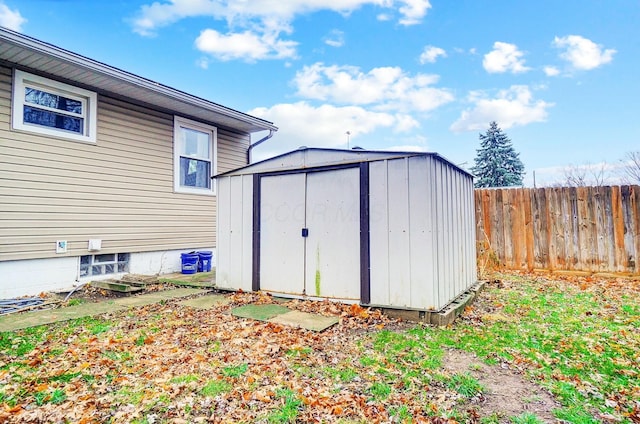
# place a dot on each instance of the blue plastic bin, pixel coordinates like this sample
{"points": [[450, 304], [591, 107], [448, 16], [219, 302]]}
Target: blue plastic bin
{"points": [[204, 265], [189, 262]]}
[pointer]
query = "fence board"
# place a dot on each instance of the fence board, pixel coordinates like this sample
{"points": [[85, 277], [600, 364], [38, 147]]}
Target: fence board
{"points": [[585, 228], [635, 210], [529, 253]]}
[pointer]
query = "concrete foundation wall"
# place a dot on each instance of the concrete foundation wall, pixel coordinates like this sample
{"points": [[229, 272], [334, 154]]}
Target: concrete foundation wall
{"points": [[34, 276]]}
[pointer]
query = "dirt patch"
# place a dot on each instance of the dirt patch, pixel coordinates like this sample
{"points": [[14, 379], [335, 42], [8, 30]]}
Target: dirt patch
{"points": [[507, 392]]}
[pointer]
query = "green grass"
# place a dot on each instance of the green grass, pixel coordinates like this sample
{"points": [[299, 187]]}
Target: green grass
{"points": [[465, 384], [20, 344], [289, 410], [215, 387], [140, 340], [401, 413], [526, 418], [66, 377], [343, 373], [118, 356], [128, 395], [379, 391], [184, 379], [235, 371], [572, 343], [491, 419], [55, 396], [579, 344]]}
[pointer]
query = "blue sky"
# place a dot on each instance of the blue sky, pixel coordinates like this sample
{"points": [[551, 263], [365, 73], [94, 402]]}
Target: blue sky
{"points": [[561, 78]]}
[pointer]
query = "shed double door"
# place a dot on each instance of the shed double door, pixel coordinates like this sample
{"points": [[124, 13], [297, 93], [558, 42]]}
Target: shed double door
{"points": [[310, 234]]}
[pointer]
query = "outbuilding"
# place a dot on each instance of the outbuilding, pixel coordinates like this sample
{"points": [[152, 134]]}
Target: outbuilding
{"points": [[389, 229]]}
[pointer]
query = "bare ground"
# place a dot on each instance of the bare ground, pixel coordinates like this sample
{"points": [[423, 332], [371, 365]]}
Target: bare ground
{"points": [[507, 393]]}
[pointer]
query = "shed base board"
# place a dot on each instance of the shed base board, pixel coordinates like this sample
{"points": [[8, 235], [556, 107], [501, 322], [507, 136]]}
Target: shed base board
{"points": [[288, 296], [445, 316]]}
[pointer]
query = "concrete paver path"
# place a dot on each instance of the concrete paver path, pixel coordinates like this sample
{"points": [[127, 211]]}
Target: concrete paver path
{"points": [[19, 321], [269, 313]]}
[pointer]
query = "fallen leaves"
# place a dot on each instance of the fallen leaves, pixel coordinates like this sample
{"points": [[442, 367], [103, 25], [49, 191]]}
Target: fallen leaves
{"points": [[172, 363]]}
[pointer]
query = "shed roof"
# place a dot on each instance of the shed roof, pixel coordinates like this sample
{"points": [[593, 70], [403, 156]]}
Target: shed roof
{"points": [[28, 53], [313, 157]]}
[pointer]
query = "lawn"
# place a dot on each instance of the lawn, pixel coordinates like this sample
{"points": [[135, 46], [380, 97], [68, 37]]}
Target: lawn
{"points": [[529, 350]]}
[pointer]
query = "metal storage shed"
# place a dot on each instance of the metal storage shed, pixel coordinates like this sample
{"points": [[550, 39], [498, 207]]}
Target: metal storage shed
{"points": [[390, 229]]}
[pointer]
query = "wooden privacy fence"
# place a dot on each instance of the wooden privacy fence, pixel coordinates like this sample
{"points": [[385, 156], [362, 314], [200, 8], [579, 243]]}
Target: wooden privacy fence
{"points": [[571, 228]]}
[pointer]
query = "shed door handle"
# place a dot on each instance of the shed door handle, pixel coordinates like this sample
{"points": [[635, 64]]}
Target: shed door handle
{"points": [[305, 232]]}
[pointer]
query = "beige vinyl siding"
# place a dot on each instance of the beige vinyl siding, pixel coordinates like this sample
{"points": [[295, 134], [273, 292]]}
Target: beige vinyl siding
{"points": [[119, 190], [232, 151]]}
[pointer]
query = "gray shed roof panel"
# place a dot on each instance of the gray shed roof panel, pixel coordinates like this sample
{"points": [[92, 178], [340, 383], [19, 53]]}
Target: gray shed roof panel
{"points": [[306, 158]]}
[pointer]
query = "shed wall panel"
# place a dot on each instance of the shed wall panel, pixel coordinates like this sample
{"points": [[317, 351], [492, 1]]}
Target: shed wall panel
{"points": [[421, 294], [235, 222], [379, 233], [435, 234], [399, 241], [457, 231], [241, 228], [224, 272], [441, 228], [247, 232]]}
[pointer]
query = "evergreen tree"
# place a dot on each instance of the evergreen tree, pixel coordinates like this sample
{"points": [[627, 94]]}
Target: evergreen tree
{"points": [[497, 164]]}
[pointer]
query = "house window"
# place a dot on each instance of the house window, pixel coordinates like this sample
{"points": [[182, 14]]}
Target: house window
{"points": [[110, 263], [48, 107], [194, 157]]}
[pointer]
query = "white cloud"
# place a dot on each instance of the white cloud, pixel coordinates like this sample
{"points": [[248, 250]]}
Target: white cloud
{"points": [[512, 107], [413, 11], [323, 126], [406, 148], [405, 123], [582, 53], [255, 26], [551, 71], [246, 45], [335, 38], [430, 54], [11, 19], [504, 57], [162, 13], [386, 88]]}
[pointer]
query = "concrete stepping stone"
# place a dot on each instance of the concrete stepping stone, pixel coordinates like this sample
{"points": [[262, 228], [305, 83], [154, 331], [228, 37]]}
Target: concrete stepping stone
{"points": [[278, 314], [305, 320], [206, 302], [259, 312]]}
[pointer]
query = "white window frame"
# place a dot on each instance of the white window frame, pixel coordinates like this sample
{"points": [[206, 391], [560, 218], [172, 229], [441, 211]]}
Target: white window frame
{"points": [[179, 123], [89, 100]]}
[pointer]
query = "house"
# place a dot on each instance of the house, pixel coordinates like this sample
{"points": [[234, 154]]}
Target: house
{"points": [[104, 172], [388, 229]]}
